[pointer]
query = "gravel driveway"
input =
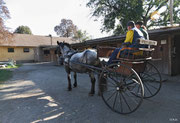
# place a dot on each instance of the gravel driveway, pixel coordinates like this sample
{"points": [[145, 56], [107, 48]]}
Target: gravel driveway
{"points": [[38, 93]]}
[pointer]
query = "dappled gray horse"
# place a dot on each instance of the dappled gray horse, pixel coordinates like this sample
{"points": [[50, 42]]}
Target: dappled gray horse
{"points": [[73, 62]]}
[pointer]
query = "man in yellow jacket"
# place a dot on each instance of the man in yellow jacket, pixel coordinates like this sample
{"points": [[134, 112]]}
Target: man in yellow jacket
{"points": [[131, 40]]}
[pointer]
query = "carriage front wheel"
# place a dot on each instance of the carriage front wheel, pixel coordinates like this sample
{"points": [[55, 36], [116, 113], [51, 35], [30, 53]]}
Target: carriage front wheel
{"points": [[151, 79], [121, 88]]}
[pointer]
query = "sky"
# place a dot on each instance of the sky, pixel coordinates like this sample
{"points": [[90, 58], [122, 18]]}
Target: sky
{"points": [[41, 16]]}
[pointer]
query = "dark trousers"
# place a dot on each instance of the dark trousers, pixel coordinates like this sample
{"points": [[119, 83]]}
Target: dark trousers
{"points": [[113, 55]]}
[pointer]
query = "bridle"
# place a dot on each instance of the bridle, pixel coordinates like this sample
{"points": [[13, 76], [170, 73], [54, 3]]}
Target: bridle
{"points": [[68, 55]]}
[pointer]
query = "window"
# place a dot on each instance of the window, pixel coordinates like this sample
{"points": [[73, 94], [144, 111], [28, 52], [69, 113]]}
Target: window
{"points": [[26, 49], [10, 50], [46, 52]]}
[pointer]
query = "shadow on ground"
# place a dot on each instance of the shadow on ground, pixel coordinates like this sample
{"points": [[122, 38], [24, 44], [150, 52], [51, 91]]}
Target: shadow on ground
{"points": [[38, 93]]}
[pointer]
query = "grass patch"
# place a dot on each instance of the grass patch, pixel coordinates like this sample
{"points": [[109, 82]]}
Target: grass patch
{"points": [[5, 75], [15, 66]]}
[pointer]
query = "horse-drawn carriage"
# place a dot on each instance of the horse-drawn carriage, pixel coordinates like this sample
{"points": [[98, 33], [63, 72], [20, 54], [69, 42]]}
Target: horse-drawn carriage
{"points": [[123, 84]]}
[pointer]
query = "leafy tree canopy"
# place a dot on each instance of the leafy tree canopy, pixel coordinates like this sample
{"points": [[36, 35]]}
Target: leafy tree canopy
{"points": [[23, 30], [81, 35], [4, 15], [66, 28], [136, 10]]}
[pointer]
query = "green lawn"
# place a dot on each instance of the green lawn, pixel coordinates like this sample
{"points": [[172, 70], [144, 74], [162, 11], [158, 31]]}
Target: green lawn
{"points": [[15, 66], [5, 75]]}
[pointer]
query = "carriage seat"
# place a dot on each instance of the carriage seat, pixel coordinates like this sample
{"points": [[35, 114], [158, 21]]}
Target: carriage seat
{"points": [[143, 53]]}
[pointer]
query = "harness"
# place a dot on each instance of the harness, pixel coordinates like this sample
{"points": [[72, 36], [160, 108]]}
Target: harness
{"points": [[70, 53]]}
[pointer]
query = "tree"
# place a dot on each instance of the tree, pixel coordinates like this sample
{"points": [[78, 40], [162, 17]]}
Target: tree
{"points": [[23, 30], [66, 28], [81, 36], [4, 15], [164, 18], [137, 10]]}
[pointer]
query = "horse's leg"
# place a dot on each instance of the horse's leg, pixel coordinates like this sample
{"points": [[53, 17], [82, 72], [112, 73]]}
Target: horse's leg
{"points": [[91, 75], [68, 71], [69, 78], [75, 79], [99, 85], [69, 81]]}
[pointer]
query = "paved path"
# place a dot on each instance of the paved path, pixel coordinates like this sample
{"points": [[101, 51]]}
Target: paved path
{"points": [[38, 93]]}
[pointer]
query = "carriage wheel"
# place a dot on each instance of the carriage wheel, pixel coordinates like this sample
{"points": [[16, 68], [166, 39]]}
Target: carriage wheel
{"points": [[151, 79], [119, 86]]}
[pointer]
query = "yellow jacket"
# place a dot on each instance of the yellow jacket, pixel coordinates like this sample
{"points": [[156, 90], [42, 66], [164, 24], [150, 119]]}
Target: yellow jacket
{"points": [[129, 36]]}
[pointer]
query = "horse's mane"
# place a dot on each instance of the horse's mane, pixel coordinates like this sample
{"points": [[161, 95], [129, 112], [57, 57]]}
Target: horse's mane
{"points": [[67, 44], [64, 43]]}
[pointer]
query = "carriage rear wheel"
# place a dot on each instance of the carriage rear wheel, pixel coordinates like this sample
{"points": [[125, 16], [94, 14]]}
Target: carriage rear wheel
{"points": [[121, 88], [151, 79]]}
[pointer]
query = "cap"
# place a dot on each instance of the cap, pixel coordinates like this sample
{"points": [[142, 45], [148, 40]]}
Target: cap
{"points": [[131, 23], [139, 23]]}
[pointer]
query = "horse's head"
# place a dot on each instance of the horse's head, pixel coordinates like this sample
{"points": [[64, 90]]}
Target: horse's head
{"points": [[63, 47]]}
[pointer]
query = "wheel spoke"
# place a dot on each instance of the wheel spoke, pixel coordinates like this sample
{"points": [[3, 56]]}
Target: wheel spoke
{"points": [[128, 78], [125, 101], [111, 96], [109, 91], [113, 80], [115, 100], [120, 99], [138, 89], [106, 85], [150, 76], [133, 86], [148, 83], [146, 75], [151, 79], [122, 84], [148, 67], [131, 97], [148, 89]]}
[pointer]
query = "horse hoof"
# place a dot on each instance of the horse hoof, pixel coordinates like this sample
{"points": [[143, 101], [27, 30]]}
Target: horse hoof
{"points": [[91, 94], [69, 89], [75, 85]]}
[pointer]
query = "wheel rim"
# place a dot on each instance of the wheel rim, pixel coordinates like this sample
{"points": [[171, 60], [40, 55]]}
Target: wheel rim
{"points": [[121, 89], [151, 79]]}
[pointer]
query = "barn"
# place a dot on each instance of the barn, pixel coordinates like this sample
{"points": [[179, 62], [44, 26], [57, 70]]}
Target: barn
{"points": [[167, 52], [31, 48]]}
